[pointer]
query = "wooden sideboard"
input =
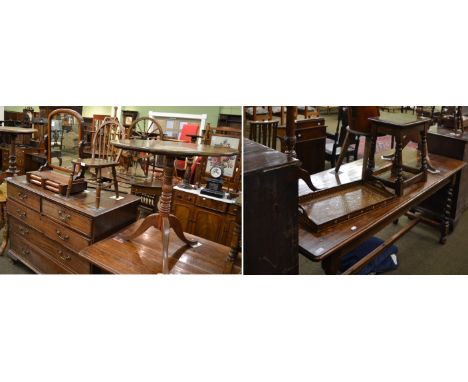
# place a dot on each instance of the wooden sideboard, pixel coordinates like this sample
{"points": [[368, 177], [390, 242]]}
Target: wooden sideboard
{"points": [[47, 230], [443, 141], [270, 211], [204, 216]]}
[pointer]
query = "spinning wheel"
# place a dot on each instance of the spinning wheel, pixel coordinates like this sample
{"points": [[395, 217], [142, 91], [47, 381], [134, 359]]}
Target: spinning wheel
{"points": [[145, 128]]}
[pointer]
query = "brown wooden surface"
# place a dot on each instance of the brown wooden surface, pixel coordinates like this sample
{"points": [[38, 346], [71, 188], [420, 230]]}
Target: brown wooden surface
{"points": [[346, 235], [17, 130], [258, 158], [173, 148], [143, 255], [400, 121], [82, 203]]}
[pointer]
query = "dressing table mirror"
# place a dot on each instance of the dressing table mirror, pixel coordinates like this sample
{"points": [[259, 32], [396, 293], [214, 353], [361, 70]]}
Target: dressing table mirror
{"points": [[64, 134]]}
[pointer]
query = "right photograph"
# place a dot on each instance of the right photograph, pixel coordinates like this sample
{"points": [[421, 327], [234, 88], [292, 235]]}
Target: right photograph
{"points": [[363, 190]]}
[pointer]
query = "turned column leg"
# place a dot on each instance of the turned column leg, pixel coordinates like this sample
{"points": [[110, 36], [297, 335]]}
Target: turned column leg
{"points": [[445, 224], [12, 164]]}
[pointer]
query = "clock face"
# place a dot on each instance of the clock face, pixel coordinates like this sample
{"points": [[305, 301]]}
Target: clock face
{"points": [[216, 171]]}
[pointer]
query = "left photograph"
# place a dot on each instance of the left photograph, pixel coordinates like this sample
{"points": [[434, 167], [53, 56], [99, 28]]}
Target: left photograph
{"points": [[120, 189]]}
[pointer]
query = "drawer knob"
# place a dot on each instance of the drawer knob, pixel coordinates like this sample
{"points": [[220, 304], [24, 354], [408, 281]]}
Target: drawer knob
{"points": [[59, 234], [299, 135], [203, 198], [22, 214], [25, 252], [64, 257], [23, 231], [63, 216], [22, 195]]}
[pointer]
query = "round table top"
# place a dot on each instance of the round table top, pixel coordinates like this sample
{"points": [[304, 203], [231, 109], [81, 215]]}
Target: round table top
{"points": [[179, 149], [17, 130]]}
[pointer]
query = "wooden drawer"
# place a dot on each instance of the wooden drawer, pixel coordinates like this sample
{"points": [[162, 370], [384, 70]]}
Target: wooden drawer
{"points": [[185, 196], [67, 217], [34, 257], [211, 204], [63, 235], [232, 209], [311, 133], [21, 195], [60, 254], [24, 214]]}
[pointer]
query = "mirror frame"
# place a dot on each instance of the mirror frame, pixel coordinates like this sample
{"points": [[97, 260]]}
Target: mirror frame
{"points": [[80, 133]]}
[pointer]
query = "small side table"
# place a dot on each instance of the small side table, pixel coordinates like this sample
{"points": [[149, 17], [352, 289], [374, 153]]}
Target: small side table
{"points": [[13, 132], [398, 127], [164, 220]]}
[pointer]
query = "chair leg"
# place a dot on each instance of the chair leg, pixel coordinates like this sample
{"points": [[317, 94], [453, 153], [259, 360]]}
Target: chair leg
{"points": [[98, 187], [116, 184], [344, 149]]}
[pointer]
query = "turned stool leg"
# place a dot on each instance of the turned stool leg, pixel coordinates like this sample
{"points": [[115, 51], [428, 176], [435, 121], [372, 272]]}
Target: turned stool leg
{"points": [[398, 161]]}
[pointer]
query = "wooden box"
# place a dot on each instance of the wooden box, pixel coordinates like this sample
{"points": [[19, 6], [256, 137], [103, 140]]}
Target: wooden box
{"points": [[55, 182]]}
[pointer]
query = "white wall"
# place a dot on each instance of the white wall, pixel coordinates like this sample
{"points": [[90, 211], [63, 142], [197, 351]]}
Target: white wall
{"points": [[2, 109]]}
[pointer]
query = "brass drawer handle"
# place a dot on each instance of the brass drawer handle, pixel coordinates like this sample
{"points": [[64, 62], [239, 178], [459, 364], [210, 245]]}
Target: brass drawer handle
{"points": [[23, 231], [22, 214], [63, 216], [25, 252], [22, 195], [59, 234], [64, 257]]}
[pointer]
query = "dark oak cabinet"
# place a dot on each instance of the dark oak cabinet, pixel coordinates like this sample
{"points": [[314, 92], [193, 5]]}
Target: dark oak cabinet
{"points": [[270, 211]]}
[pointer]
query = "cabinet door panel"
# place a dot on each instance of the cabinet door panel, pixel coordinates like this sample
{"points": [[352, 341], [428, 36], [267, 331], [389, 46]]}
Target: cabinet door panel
{"points": [[208, 224], [184, 214]]}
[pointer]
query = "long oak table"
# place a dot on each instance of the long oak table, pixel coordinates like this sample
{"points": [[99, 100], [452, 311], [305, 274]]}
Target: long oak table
{"points": [[329, 245]]}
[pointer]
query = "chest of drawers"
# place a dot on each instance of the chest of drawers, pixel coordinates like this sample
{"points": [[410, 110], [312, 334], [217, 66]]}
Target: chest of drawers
{"points": [[47, 230]]}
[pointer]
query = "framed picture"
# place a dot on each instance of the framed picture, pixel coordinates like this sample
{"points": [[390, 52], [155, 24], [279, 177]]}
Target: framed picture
{"points": [[128, 116], [228, 163]]}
